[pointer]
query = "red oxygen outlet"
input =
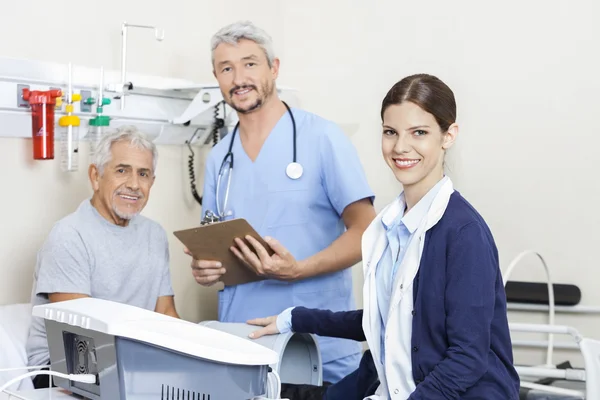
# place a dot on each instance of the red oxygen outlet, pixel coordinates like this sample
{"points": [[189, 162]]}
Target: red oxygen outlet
{"points": [[42, 121]]}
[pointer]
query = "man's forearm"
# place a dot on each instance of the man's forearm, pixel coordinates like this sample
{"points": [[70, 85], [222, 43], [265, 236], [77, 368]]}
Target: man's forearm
{"points": [[166, 305], [172, 313], [344, 252]]}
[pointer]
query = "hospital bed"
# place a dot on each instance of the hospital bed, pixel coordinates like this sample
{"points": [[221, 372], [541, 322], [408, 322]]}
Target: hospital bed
{"points": [[14, 327], [549, 381]]}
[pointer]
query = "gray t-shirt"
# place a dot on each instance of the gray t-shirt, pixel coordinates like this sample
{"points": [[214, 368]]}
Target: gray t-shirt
{"points": [[84, 253]]}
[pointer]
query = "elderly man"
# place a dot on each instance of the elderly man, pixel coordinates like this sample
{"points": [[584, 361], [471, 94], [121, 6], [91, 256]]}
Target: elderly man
{"points": [[105, 249]]}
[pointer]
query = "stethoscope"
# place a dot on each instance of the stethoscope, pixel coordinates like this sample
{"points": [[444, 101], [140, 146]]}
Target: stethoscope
{"points": [[294, 169]]}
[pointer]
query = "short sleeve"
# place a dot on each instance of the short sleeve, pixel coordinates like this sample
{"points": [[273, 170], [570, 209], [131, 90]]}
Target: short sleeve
{"points": [[209, 193], [63, 264], [166, 286], [343, 175]]}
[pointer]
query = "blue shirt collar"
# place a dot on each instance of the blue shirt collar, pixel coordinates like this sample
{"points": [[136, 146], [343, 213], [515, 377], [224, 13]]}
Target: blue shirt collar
{"points": [[411, 220]]}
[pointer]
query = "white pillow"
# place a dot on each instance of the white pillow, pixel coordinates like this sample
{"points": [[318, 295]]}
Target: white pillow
{"points": [[14, 329]]}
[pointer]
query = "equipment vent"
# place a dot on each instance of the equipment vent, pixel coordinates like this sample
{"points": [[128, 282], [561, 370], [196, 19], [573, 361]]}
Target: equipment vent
{"points": [[81, 347], [172, 393]]}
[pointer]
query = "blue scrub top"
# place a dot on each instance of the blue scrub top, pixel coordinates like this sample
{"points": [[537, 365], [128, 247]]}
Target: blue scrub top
{"points": [[303, 214]]}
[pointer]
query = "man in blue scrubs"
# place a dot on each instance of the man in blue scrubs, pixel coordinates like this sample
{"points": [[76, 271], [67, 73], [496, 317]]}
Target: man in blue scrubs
{"points": [[313, 222]]}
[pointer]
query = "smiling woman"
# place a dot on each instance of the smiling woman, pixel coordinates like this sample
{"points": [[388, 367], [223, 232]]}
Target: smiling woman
{"points": [[419, 126], [434, 303], [122, 173]]}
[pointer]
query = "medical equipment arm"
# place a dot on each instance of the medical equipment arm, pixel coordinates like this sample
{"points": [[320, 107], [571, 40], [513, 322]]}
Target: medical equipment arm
{"points": [[471, 275], [345, 250], [341, 324]]}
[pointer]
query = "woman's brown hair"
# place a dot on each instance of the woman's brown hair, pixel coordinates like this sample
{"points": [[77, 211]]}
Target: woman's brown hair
{"points": [[429, 93]]}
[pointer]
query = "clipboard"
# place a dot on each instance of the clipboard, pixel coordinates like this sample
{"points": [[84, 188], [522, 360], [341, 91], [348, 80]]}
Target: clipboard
{"points": [[211, 241]]}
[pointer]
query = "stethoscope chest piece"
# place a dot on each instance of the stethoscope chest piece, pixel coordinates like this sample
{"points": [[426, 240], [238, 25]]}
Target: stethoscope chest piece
{"points": [[294, 170]]}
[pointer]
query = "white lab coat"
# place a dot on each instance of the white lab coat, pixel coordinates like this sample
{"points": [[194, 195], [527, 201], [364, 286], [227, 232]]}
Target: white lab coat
{"points": [[397, 373]]}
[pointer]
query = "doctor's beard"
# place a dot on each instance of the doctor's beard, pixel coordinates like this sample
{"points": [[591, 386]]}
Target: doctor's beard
{"points": [[267, 89]]}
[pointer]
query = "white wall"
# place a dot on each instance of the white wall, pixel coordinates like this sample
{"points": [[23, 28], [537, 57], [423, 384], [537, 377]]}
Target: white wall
{"points": [[525, 77], [524, 74]]}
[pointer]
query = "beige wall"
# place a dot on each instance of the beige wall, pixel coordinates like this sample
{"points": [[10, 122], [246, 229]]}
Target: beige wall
{"points": [[35, 195], [524, 73]]}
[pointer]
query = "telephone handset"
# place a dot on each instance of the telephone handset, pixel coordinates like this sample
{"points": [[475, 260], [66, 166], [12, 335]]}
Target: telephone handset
{"points": [[218, 123]]}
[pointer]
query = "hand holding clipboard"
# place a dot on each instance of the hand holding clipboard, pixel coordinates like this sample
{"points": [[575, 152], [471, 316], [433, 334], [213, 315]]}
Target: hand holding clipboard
{"points": [[237, 246], [278, 263], [212, 241]]}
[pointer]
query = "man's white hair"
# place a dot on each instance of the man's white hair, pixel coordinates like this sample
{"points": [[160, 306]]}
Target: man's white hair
{"points": [[131, 134], [237, 31]]}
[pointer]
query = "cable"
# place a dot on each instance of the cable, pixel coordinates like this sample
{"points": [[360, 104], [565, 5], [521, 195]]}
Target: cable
{"points": [[22, 368], [218, 123], [191, 168], [85, 378], [273, 388]]}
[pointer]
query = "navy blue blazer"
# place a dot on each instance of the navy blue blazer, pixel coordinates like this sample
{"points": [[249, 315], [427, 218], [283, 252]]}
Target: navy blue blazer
{"points": [[462, 347]]}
